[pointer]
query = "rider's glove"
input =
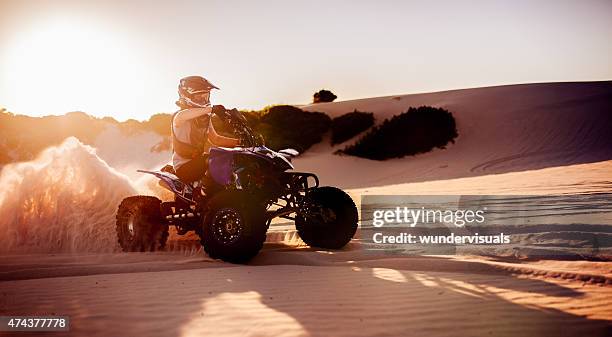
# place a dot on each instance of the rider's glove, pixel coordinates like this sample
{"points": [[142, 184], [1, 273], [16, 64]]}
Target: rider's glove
{"points": [[218, 110], [260, 139]]}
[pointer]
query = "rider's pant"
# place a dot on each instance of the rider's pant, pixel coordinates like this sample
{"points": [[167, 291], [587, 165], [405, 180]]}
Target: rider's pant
{"points": [[193, 170]]}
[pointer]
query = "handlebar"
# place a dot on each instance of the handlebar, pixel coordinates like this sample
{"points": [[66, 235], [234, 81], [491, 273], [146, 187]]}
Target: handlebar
{"points": [[238, 122]]}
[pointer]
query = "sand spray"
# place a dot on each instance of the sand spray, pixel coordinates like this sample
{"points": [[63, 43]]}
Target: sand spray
{"points": [[63, 201]]}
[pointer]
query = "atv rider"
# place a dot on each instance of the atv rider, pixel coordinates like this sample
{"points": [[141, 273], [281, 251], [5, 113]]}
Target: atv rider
{"points": [[192, 130]]}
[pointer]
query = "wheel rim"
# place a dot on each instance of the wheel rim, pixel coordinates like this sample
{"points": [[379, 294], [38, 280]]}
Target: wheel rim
{"points": [[328, 215], [320, 216], [130, 228], [227, 226]]}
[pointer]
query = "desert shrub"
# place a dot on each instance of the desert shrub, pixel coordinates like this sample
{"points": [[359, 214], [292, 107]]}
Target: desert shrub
{"points": [[282, 126], [26, 136], [323, 96], [224, 129], [159, 123], [349, 125], [285, 126], [46, 131], [253, 117], [418, 130]]}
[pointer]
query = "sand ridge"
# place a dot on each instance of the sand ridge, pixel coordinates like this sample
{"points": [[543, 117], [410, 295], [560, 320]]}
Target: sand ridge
{"points": [[501, 129]]}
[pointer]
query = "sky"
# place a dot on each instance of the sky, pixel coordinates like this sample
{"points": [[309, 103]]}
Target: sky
{"points": [[124, 58]]}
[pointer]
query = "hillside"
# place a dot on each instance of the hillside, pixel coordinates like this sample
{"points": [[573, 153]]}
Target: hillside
{"points": [[501, 129]]}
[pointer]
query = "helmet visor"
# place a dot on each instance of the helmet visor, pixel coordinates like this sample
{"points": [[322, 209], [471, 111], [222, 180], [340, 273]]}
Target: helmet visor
{"points": [[201, 97]]}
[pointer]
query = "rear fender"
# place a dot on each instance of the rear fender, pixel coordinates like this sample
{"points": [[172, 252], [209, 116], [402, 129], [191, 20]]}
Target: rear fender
{"points": [[170, 181]]}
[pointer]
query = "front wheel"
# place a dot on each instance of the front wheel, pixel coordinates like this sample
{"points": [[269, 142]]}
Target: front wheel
{"points": [[234, 228], [140, 226], [329, 218]]}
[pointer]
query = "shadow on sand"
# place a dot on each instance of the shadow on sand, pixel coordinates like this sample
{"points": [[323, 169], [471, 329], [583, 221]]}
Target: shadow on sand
{"points": [[289, 291]]}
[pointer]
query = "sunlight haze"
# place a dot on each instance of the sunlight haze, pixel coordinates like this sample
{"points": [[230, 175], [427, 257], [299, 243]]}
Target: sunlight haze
{"points": [[124, 58]]}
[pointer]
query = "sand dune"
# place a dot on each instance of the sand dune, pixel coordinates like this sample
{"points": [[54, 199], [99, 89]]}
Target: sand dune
{"points": [[501, 129], [537, 139], [576, 179]]}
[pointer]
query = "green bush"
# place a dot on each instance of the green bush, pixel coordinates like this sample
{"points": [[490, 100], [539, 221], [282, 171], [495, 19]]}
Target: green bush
{"points": [[418, 130], [282, 126], [349, 125], [285, 126]]}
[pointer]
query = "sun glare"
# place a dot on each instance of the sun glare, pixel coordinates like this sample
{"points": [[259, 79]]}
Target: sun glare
{"points": [[62, 66]]}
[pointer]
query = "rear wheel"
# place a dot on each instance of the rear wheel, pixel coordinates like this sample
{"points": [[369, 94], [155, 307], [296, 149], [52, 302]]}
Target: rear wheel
{"points": [[234, 227], [140, 227], [329, 218]]}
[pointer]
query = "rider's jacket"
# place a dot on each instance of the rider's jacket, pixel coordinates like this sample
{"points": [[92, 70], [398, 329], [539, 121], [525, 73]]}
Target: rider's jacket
{"points": [[189, 134]]}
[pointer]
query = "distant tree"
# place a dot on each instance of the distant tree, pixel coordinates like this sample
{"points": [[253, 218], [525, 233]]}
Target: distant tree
{"points": [[130, 127], [43, 132], [159, 123], [110, 120], [323, 96]]}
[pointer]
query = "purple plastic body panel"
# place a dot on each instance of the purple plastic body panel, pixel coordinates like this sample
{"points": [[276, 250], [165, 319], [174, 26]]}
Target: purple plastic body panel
{"points": [[221, 161], [220, 164]]}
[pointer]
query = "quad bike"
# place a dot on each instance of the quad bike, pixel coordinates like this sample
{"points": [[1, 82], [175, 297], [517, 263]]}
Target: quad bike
{"points": [[244, 189]]}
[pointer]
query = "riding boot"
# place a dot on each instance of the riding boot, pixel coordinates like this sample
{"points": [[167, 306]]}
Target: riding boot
{"points": [[188, 192], [199, 192]]}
